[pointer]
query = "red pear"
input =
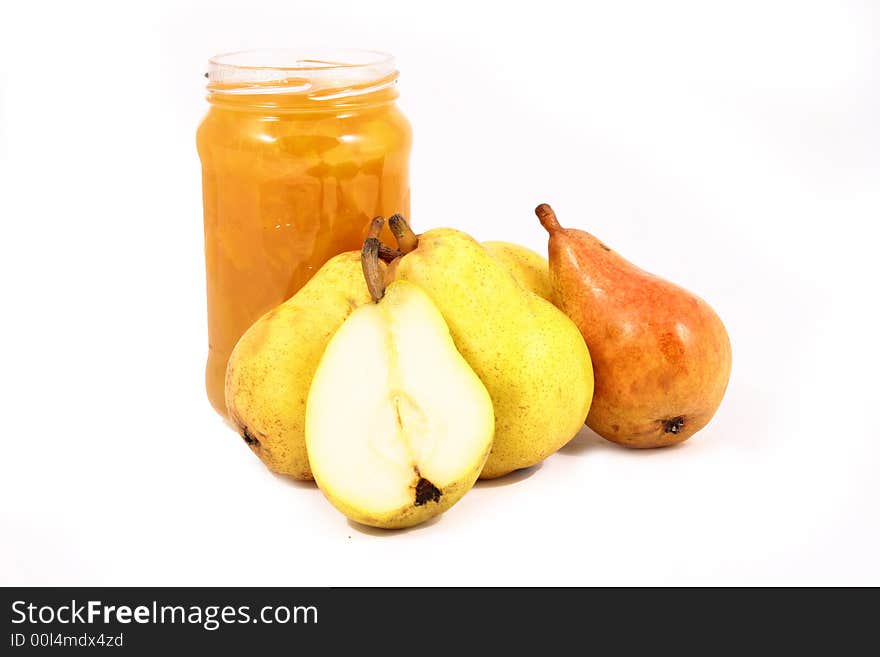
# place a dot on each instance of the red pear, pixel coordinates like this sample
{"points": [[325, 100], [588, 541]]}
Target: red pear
{"points": [[661, 355]]}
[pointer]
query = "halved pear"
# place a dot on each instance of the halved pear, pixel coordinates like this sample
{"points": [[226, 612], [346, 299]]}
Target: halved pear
{"points": [[398, 426]]}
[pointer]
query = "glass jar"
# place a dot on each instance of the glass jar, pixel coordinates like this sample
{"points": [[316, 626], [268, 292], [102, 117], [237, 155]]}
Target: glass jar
{"points": [[299, 151]]}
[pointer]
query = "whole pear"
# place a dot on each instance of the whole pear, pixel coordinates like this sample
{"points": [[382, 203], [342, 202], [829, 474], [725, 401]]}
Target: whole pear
{"points": [[271, 368], [530, 356], [530, 269], [661, 354]]}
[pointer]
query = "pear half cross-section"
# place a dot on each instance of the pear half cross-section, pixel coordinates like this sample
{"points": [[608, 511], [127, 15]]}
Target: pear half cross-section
{"points": [[398, 426]]}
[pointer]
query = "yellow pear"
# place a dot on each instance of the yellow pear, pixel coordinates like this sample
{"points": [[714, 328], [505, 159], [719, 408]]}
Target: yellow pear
{"points": [[398, 426], [529, 354], [530, 269], [271, 368]]}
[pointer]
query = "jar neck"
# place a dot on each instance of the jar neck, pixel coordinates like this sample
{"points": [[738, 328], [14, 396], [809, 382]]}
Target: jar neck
{"points": [[290, 81]]}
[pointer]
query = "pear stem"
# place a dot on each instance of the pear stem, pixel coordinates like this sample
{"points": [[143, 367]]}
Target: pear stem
{"points": [[407, 240], [547, 218], [387, 254], [370, 260]]}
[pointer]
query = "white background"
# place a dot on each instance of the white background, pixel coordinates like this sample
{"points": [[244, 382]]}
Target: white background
{"points": [[731, 147]]}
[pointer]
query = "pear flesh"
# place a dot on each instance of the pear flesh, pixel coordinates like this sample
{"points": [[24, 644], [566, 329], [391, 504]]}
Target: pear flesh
{"points": [[271, 368], [398, 426]]}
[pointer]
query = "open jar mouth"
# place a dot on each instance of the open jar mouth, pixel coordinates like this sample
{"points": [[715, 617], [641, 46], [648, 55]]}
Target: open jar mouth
{"points": [[320, 73]]}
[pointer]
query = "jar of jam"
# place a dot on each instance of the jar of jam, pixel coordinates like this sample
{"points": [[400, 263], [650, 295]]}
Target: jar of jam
{"points": [[299, 151]]}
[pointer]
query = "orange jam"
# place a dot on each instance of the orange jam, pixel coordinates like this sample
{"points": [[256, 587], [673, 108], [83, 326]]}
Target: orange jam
{"points": [[298, 153]]}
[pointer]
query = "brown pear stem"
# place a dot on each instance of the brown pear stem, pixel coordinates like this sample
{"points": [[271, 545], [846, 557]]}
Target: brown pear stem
{"points": [[407, 240], [547, 218], [387, 254], [370, 260]]}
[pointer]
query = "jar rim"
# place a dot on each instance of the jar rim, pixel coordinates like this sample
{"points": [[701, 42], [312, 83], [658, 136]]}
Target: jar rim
{"points": [[306, 59], [317, 73], [298, 71]]}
